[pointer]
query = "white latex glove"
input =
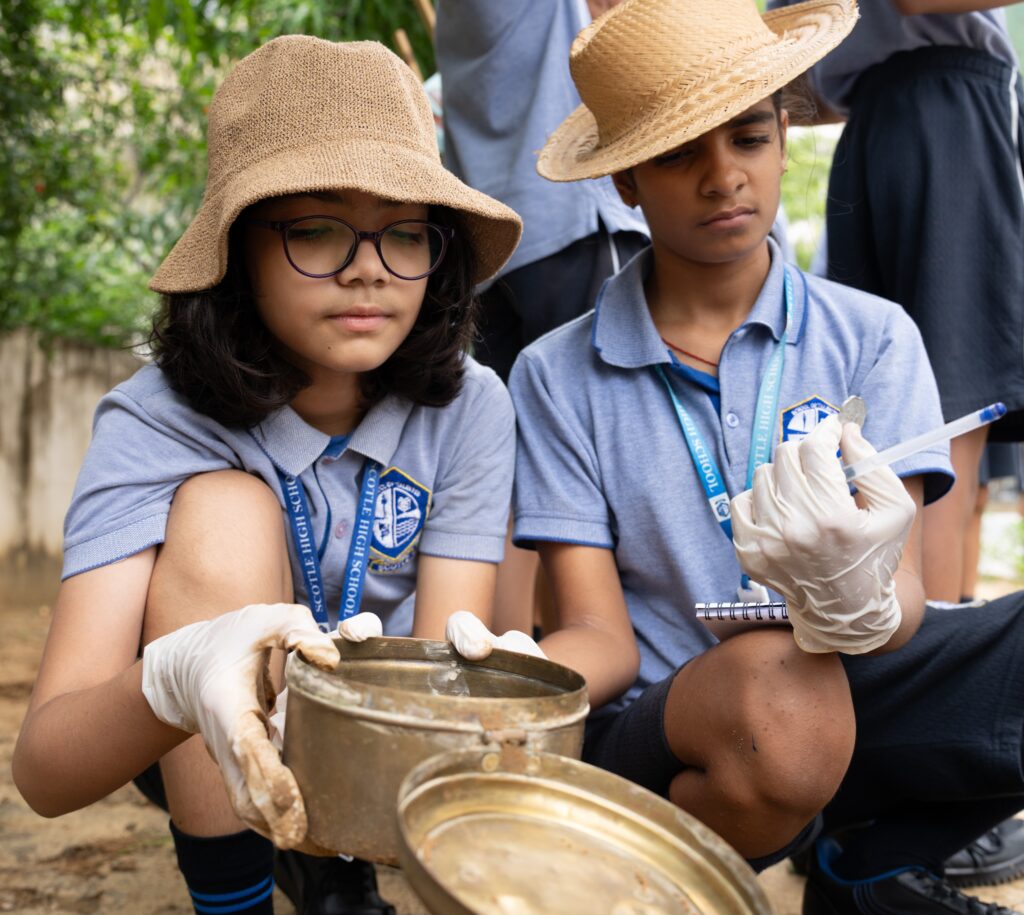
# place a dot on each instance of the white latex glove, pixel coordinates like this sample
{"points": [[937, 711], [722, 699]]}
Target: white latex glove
{"points": [[361, 627], [799, 531], [473, 640], [211, 678]]}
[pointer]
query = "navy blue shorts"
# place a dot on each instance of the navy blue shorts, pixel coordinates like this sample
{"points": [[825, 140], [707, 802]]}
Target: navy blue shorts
{"points": [[939, 722]]}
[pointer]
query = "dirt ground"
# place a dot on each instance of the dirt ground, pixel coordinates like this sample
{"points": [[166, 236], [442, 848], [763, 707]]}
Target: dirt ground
{"points": [[117, 856]]}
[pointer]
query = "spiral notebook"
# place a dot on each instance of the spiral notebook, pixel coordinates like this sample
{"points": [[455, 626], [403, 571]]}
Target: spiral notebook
{"points": [[740, 615]]}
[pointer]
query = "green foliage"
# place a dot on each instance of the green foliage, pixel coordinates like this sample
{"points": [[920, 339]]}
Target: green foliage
{"points": [[805, 185], [102, 156]]}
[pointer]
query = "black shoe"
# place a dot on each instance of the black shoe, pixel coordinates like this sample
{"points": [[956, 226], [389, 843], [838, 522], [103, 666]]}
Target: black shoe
{"points": [[329, 886], [906, 892], [997, 857]]}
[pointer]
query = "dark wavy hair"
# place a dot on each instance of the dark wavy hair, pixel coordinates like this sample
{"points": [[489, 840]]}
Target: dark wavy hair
{"points": [[215, 350]]}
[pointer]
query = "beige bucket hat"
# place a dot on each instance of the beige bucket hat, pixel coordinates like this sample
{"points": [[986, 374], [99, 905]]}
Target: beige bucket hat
{"points": [[302, 114], [654, 74]]}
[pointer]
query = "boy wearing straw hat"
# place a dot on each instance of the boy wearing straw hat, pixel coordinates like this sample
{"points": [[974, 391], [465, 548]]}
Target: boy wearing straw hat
{"points": [[711, 369]]}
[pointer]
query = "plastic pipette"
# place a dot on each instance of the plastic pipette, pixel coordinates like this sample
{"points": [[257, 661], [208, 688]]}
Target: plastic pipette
{"points": [[925, 440]]}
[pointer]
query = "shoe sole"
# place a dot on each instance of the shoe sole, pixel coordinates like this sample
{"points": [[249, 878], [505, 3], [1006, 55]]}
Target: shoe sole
{"points": [[1006, 872]]}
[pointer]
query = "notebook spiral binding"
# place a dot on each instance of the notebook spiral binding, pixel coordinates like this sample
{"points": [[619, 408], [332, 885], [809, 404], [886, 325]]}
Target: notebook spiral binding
{"points": [[771, 612]]}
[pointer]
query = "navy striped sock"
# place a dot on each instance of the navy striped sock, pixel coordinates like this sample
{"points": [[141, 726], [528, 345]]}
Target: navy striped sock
{"points": [[227, 874]]}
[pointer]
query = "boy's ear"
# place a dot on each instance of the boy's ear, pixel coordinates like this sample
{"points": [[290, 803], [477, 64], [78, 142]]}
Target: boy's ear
{"points": [[625, 184]]}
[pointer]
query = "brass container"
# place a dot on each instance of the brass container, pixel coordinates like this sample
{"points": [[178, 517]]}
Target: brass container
{"points": [[354, 733], [512, 832]]}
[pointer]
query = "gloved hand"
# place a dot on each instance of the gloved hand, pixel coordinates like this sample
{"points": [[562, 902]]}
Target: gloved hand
{"points": [[473, 640], [799, 531], [468, 635], [361, 627], [211, 678]]}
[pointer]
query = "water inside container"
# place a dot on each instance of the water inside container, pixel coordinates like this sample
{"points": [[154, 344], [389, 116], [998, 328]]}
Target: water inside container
{"points": [[445, 677]]}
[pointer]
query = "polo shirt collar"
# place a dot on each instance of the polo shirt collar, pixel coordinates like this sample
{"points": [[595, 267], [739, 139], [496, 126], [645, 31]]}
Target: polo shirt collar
{"points": [[293, 445], [624, 334]]}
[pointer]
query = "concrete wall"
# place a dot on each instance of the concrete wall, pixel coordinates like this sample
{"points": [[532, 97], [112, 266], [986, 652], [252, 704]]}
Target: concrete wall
{"points": [[47, 401]]}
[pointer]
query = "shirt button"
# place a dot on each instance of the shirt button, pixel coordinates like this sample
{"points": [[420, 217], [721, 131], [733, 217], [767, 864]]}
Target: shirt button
{"points": [[732, 420], [341, 529]]}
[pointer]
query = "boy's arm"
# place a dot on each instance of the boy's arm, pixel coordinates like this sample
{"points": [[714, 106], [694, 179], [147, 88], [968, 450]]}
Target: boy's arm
{"points": [[594, 635], [909, 584]]}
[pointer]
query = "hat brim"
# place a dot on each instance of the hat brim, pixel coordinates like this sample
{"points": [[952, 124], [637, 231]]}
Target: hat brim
{"points": [[807, 32], [199, 259]]}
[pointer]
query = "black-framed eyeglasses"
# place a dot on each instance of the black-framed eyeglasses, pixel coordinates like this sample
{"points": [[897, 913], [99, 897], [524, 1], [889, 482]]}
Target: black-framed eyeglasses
{"points": [[322, 246]]}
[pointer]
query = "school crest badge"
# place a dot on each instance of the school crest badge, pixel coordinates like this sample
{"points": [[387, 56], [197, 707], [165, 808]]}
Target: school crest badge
{"points": [[799, 419], [401, 509]]}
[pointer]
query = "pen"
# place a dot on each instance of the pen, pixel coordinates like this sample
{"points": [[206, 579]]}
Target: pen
{"points": [[925, 440]]}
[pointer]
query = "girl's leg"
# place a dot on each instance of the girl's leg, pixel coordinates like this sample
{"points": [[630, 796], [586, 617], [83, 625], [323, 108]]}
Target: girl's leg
{"points": [[946, 521], [766, 732], [225, 548]]}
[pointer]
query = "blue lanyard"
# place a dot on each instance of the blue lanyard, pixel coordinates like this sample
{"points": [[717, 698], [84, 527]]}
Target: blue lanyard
{"points": [[358, 551], [761, 434]]}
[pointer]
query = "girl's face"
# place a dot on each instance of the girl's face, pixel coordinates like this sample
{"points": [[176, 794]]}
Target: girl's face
{"points": [[348, 323], [713, 200]]}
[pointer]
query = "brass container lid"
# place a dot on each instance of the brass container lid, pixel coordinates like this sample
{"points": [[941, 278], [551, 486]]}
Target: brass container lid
{"points": [[516, 832]]}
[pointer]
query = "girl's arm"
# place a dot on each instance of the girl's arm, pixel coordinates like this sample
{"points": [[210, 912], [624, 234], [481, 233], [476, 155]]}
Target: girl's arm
{"points": [[594, 636], [444, 586], [89, 729], [98, 717]]}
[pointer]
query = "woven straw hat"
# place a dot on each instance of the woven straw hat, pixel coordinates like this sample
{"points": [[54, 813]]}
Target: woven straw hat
{"points": [[654, 74], [301, 114]]}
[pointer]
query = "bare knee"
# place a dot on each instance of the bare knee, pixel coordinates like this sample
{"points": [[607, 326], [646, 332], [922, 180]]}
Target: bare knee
{"points": [[777, 734], [225, 547]]}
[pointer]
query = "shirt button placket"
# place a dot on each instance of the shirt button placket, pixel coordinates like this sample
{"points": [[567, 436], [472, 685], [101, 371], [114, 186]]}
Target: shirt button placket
{"points": [[735, 447]]}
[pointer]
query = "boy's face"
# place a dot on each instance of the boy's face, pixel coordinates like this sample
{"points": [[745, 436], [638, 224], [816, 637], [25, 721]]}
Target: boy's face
{"points": [[714, 199]]}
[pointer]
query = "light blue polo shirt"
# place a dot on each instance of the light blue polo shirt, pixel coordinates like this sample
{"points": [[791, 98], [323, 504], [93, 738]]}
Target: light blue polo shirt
{"points": [[444, 489], [601, 459], [505, 69], [883, 31]]}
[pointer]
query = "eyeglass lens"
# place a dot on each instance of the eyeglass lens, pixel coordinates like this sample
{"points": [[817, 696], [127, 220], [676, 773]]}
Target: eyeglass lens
{"points": [[320, 246]]}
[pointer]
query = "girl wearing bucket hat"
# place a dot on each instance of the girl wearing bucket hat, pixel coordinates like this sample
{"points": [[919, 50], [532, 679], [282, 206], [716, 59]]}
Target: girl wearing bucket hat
{"points": [[312, 432], [711, 369]]}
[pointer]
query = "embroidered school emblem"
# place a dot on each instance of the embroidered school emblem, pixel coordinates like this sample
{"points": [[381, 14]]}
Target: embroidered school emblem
{"points": [[402, 507], [799, 419]]}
